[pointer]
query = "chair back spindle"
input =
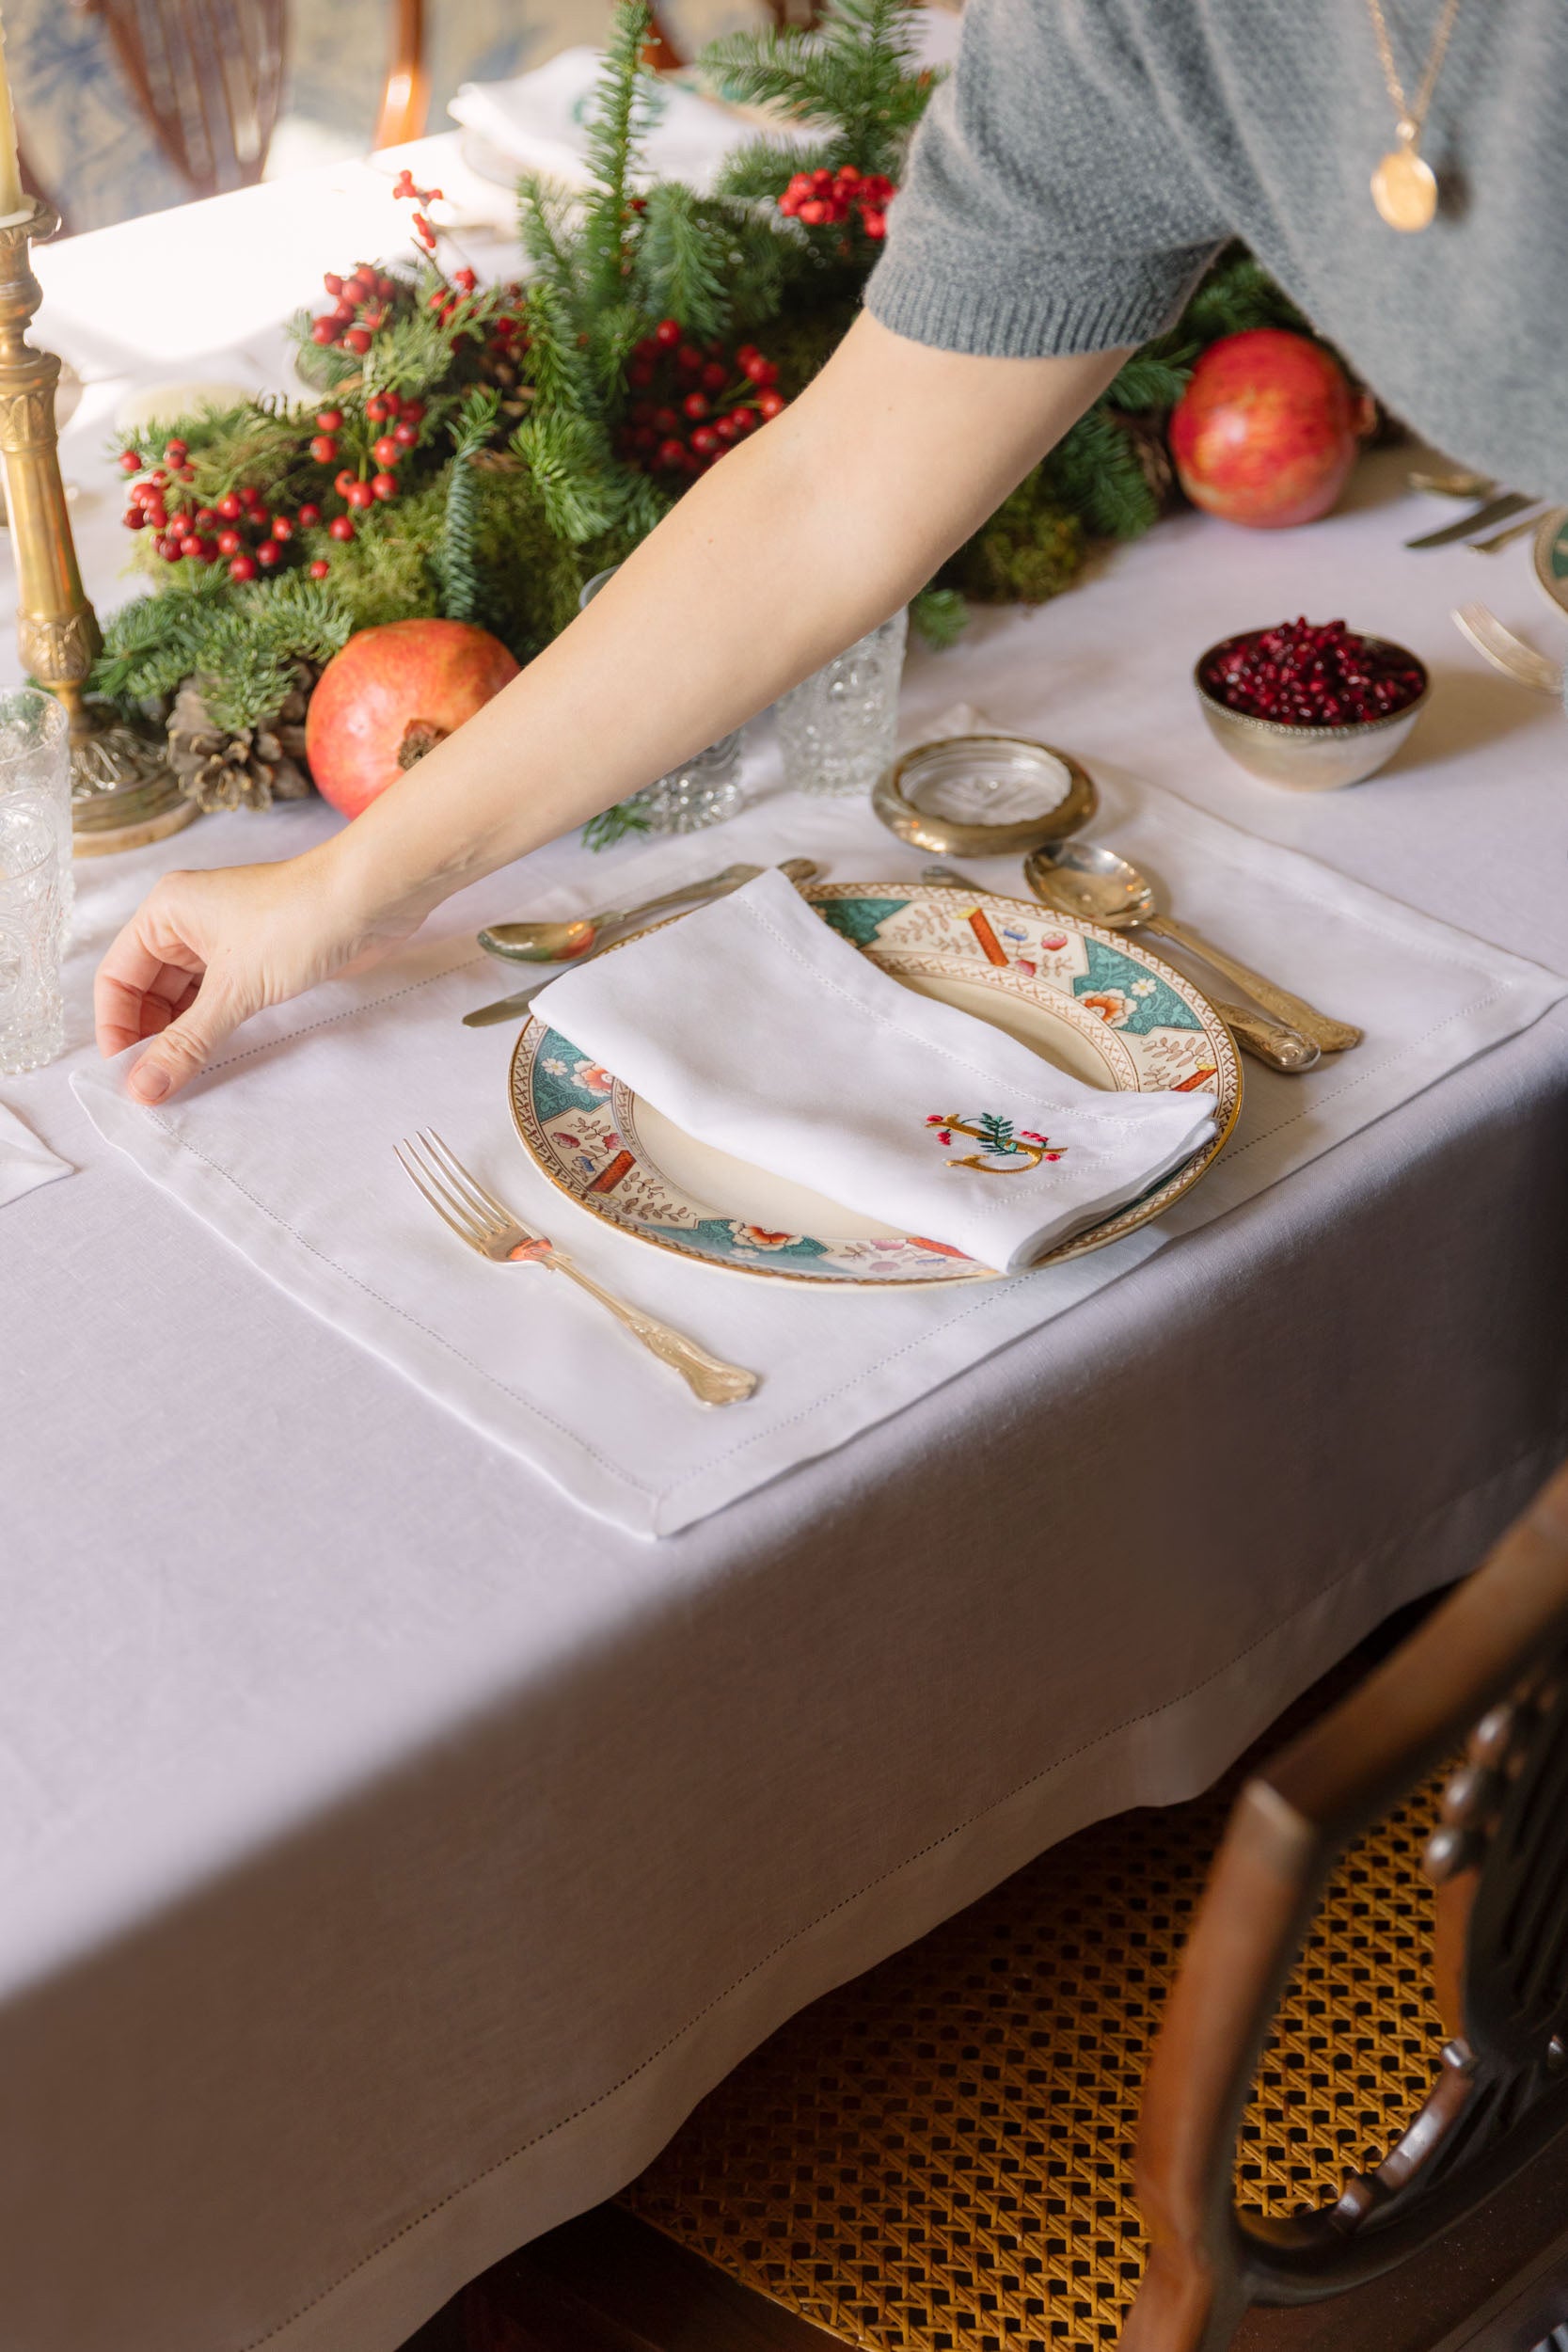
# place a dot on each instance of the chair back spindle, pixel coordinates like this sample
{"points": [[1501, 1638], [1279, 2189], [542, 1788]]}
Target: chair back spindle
{"points": [[208, 76], [1488, 1674]]}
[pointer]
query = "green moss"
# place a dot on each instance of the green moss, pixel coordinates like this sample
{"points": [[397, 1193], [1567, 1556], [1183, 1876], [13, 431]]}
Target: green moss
{"points": [[1030, 550]]}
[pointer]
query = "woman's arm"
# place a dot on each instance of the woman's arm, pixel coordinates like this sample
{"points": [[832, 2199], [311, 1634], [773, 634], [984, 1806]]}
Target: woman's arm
{"points": [[803, 539]]}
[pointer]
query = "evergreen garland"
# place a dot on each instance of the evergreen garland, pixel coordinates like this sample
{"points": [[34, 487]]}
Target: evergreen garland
{"points": [[526, 479]]}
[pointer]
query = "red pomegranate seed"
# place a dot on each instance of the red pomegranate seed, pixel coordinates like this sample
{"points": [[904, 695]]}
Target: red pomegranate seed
{"points": [[1311, 673]]}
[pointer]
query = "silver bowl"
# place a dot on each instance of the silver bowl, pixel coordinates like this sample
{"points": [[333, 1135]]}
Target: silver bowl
{"points": [[1310, 759]]}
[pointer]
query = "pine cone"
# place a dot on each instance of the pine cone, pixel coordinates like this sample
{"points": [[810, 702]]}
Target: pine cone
{"points": [[248, 768], [1146, 434]]}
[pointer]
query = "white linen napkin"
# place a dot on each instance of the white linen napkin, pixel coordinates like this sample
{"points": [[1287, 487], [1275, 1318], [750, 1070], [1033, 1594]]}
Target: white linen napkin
{"points": [[757, 1028], [25, 1162], [536, 121]]}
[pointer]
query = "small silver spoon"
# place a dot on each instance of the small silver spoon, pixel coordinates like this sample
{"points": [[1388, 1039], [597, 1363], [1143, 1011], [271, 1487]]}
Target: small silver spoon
{"points": [[563, 943], [1267, 1041], [800, 870], [1081, 878]]}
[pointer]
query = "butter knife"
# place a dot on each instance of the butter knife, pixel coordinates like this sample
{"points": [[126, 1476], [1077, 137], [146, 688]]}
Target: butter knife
{"points": [[797, 870], [1495, 511]]}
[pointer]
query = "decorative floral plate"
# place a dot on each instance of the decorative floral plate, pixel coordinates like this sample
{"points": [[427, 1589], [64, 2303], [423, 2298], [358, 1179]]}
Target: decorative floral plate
{"points": [[1095, 1003], [1551, 555]]}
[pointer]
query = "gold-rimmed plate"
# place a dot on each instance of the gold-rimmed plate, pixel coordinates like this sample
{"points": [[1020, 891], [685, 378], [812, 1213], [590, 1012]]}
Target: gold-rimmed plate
{"points": [[1094, 1003], [1551, 555]]}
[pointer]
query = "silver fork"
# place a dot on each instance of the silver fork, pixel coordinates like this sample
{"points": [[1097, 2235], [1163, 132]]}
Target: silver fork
{"points": [[479, 1218], [1506, 652]]}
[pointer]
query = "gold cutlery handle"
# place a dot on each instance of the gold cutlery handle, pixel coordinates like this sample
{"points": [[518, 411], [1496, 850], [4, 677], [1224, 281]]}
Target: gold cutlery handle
{"points": [[1332, 1037], [1269, 1040], [715, 886], [707, 1376], [1500, 539]]}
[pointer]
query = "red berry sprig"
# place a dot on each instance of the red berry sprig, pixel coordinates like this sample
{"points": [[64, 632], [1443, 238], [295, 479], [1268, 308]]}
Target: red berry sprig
{"points": [[1312, 675], [693, 403], [361, 305], [823, 199]]}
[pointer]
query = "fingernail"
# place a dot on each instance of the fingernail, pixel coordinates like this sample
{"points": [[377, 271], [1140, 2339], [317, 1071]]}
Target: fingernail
{"points": [[147, 1082]]}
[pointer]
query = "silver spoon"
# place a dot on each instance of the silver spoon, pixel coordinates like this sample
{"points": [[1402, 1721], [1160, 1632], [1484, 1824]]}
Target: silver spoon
{"points": [[1267, 1041], [1082, 878], [561, 942], [799, 870]]}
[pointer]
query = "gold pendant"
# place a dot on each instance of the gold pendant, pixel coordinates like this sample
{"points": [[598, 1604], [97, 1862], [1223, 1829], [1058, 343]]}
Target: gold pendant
{"points": [[1405, 188]]}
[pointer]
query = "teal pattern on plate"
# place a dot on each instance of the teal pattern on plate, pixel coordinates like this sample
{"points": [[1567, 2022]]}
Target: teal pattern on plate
{"points": [[557, 1090], [1154, 1003], [859, 920]]}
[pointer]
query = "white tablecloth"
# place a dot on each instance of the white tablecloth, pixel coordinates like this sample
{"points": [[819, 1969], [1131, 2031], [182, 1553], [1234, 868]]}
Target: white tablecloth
{"points": [[390, 1854]]}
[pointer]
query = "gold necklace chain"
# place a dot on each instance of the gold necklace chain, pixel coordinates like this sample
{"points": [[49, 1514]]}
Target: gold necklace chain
{"points": [[1412, 117], [1405, 188]]}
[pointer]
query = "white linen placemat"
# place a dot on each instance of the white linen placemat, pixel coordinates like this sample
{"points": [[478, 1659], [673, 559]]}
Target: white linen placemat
{"points": [[757, 1028], [285, 1148], [25, 1162]]}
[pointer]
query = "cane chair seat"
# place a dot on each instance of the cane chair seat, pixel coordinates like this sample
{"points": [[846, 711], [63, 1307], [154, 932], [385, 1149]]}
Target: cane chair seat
{"points": [[938, 2157], [1349, 2094]]}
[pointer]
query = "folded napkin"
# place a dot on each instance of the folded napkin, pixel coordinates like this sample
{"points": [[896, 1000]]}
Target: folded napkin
{"points": [[25, 1162], [759, 1029], [536, 120]]}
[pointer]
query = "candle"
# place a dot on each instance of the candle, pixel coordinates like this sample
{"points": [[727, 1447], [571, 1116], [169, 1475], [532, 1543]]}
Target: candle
{"points": [[12, 199]]}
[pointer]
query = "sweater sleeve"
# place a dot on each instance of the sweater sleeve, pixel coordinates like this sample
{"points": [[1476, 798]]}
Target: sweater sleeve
{"points": [[1048, 206]]}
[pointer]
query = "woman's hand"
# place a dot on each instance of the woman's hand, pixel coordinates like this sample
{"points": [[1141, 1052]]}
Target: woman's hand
{"points": [[205, 951]]}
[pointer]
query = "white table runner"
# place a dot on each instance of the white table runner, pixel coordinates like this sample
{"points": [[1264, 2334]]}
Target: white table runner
{"points": [[286, 1149]]}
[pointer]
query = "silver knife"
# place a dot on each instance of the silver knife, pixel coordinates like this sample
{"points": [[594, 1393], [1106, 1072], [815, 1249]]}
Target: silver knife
{"points": [[1495, 511], [798, 869]]}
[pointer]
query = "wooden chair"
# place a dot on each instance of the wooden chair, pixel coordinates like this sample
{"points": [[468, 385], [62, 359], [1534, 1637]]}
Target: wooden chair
{"points": [[1460, 2236], [935, 2154], [208, 76]]}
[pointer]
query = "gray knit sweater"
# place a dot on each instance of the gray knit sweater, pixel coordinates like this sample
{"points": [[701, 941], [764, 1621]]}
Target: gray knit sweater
{"points": [[1078, 171]]}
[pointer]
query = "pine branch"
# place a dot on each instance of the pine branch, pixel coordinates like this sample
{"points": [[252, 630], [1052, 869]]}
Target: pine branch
{"points": [[458, 568], [240, 644], [1095, 470], [852, 75], [625, 108], [611, 334], [545, 228], [1147, 380], [614, 824], [556, 365], [940, 616], [760, 171], [1238, 294], [678, 270], [574, 471]]}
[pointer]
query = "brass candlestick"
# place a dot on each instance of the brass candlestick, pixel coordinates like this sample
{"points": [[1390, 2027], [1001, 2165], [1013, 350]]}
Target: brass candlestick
{"points": [[123, 793]]}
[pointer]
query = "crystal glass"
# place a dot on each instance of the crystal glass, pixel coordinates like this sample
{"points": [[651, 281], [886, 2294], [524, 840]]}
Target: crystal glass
{"points": [[32, 1013], [35, 758], [706, 788], [838, 727]]}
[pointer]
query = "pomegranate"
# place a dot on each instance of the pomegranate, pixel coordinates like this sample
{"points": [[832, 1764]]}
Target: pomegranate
{"points": [[1266, 432], [391, 695]]}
